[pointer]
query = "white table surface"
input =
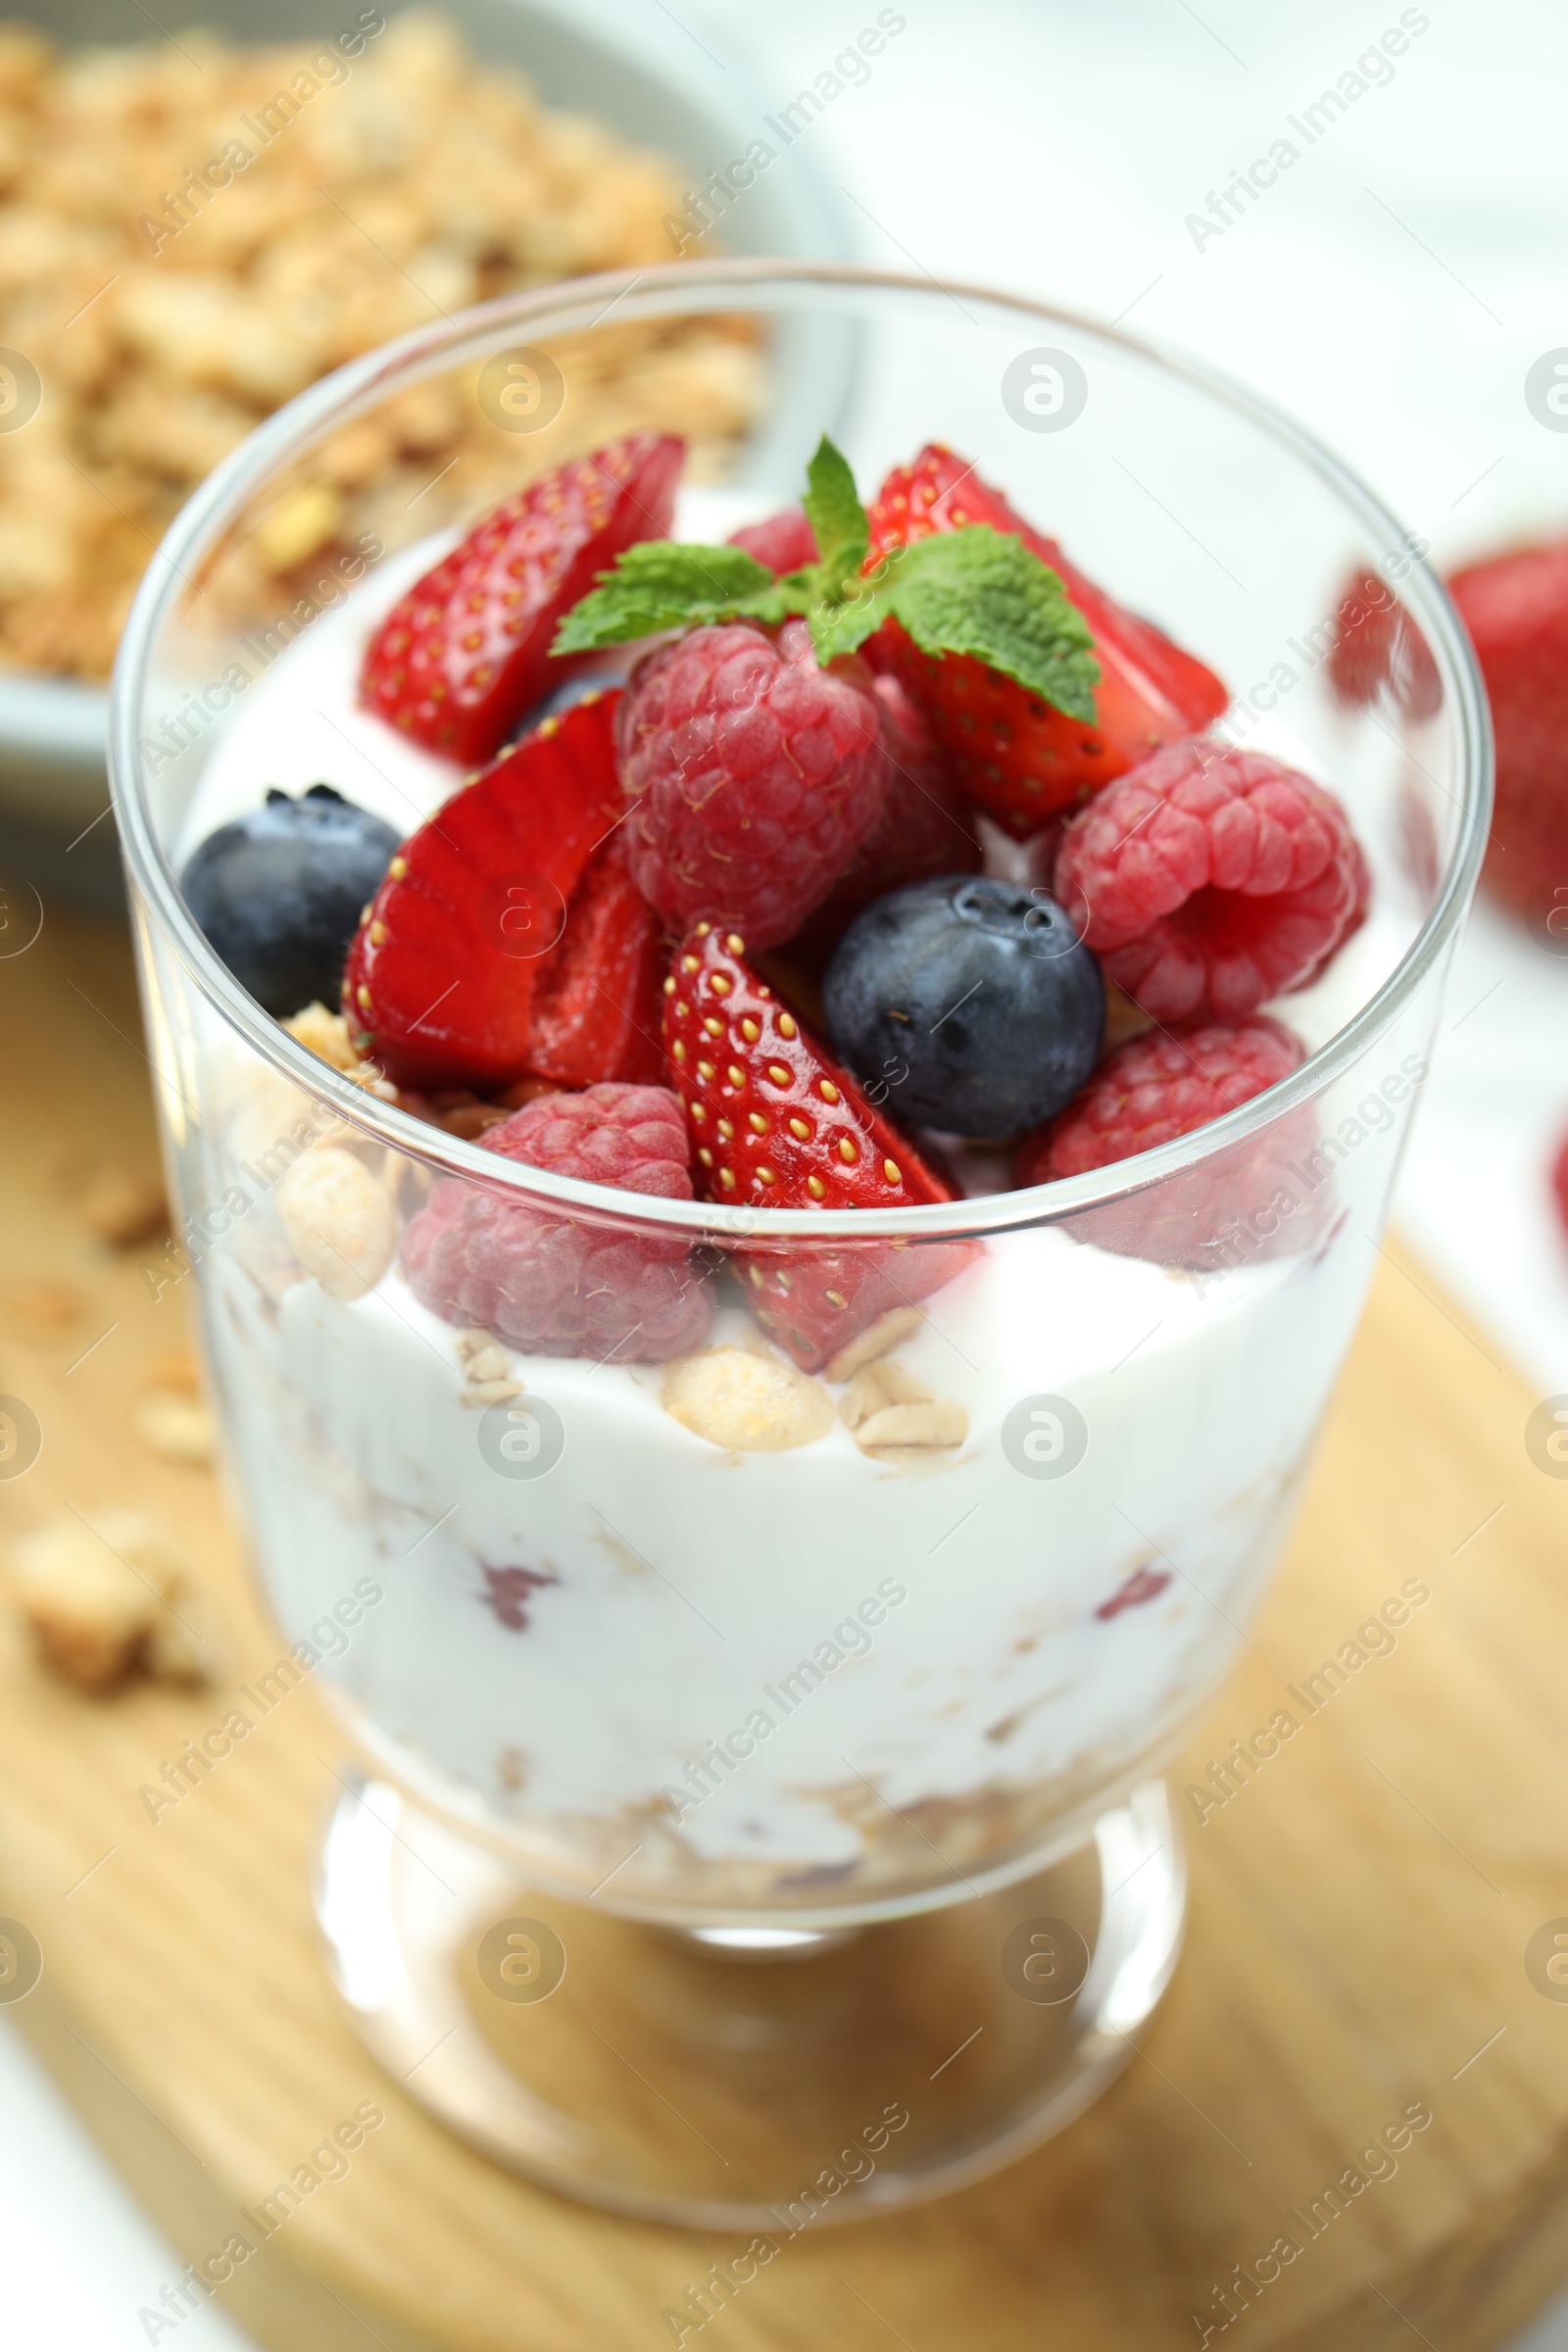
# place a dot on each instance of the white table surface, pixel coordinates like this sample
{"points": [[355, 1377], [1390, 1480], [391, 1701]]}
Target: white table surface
{"points": [[1393, 289]]}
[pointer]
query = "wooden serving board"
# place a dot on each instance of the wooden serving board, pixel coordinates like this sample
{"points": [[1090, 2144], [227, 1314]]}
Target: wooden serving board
{"points": [[1360, 1911]]}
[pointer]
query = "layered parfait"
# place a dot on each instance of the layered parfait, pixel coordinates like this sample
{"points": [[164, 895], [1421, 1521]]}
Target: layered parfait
{"points": [[857, 861]]}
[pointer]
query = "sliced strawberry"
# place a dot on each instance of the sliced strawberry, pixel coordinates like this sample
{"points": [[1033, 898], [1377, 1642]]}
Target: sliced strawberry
{"points": [[814, 1301], [773, 1119], [1019, 759], [440, 980], [465, 653], [776, 1123], [596, 1003]]}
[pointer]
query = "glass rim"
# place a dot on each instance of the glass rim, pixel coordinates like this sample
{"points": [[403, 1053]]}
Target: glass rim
{"points": [[570, 305]]}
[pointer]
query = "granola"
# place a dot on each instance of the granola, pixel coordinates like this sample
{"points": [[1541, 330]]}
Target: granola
{"points": [[339, 1221], [103, 1597], [745, 1402], [895, 1417], [191, 234]]}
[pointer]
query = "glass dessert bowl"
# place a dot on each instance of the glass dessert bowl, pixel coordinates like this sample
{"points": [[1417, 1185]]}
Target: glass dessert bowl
{"points": [[769, 1312]]}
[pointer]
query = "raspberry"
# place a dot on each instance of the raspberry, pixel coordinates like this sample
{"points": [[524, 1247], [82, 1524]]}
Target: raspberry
{"points": [[924, 828], [1209, 880], [1253, 1200], [1157, 1086], [784, 542], [756, 775], [552, 1282]]}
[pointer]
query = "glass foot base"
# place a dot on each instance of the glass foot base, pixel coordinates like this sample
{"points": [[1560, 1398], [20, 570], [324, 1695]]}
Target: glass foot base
{"points": [[753, 2077]]}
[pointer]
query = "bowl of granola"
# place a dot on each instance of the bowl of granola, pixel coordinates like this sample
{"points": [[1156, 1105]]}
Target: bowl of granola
{"points": [[196, 228]]}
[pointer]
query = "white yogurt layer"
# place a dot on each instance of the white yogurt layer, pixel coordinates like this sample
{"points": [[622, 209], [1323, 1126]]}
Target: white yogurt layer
{"points": [[759, 1674]]}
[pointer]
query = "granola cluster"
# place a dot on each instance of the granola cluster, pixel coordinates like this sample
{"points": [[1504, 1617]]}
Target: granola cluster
{"points": [[103, 1597], [191, 232]]}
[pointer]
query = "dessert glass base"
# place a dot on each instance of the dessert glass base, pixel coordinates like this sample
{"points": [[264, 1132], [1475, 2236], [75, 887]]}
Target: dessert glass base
{"points": [[755, 2078]]}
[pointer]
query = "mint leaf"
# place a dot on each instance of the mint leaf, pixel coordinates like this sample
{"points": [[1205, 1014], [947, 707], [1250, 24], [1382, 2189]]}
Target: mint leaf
{"points": [[660, 584], [839, 625], [839, 628], [971, 591], [983, 592], [836, 516]]}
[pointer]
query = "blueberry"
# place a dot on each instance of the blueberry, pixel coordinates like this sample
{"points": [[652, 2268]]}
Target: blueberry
{"points": [[280, 893], [965, 1004]]}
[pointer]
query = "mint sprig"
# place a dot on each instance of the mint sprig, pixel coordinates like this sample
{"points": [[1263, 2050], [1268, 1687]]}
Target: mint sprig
{"points": [[660, 584], [973, 591], [835, 513]]}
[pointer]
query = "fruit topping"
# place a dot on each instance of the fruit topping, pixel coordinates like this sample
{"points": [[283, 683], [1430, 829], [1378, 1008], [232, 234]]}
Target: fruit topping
{"points": [[772, 1119], [924, 828], [1021, 755], [461, 658], [972, 1001], [1209, 880], [478, 917], [1156, 1088], [597, 1005], [1267, 1195], [804, 814], [550, 1282], [776, 1123], [757, 774], [1516, 610], [973, 590], [969, 591], [784, 542], [814, 1297], [278, 893]]}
